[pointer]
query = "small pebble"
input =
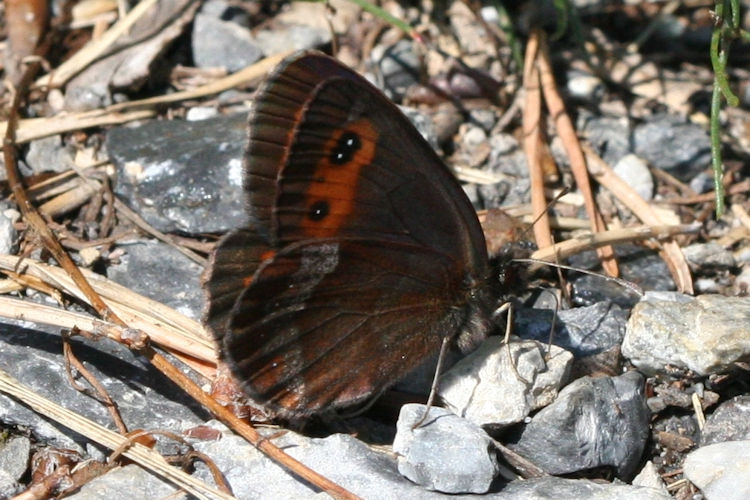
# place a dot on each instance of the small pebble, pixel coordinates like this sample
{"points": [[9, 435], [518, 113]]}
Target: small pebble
{"points": [[445, 453], [720, 470]]}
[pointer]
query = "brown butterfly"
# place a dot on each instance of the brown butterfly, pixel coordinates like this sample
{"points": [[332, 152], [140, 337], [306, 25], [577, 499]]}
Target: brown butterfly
{"points": [[363, 252]]}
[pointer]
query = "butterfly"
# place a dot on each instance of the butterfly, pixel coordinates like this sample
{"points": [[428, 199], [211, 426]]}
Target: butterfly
{"points": [[362, 253]]}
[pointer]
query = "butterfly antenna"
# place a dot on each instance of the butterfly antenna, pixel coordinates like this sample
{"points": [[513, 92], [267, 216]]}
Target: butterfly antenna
{"points": [[565, 190], [623, 283]]}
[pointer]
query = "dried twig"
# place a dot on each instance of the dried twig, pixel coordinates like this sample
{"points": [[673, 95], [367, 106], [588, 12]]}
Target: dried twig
{"points": [[532, 115], [672, 254], [567, 134], [138, 453]]}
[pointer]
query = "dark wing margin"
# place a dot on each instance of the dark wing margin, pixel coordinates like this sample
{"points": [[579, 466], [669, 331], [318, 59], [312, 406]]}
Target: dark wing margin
{"points": [[230, 271]]}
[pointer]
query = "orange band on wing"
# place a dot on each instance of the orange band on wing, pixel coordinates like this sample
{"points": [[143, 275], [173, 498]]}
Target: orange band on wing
{"points": [[330, 196]]}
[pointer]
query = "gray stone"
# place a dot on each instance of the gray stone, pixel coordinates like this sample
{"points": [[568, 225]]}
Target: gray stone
{"points": [[9, 487], [585, 86], [49, 155], [594, 422], [485, 118], [703, 182], [583, 330], [672, 144], [162, 273], [556, 488], [638, 265], [610, 137], [720, 470], [33, 355], [398, 67], [285, 37], [130, 481], [708, 255], [508, 161], [14, 456], [485, 389], [634, 171], [649, 477], [706, 334], [445, 453], [423, 123], [730, 421], [217, 42], [8, 233], [339, 457], [183, 176]]}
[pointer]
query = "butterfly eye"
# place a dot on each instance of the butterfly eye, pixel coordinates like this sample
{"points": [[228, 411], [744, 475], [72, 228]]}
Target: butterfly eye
{"points": [[347, 145], [318, 210]]}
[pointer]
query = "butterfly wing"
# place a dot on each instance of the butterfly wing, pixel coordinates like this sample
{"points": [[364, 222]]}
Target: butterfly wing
{"points": [[329, 322], [364, 251]]}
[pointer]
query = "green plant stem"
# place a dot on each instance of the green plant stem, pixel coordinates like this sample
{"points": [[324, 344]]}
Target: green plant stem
{"points": [[385, 16], [716, 158]]}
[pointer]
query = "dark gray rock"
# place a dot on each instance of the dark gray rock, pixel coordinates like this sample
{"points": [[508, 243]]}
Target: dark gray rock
{"points": [[641, 267], [594, 422], [162, 273], [610, 137], [730, 421], [33, 355], [182, 176], [669, 142], [703, 182], [218, 42], [583, 330], [445, 453]]}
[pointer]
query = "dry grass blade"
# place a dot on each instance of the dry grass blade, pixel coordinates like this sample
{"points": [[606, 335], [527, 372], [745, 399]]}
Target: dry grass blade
{"points": [[96, 48], [143, 456], [165, 326], [36, 128], [567, 133], [243, 76], [580, 243], [672, 254], [532, 116]]}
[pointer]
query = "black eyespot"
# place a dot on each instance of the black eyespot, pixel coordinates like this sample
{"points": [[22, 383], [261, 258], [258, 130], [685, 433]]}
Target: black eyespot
{"points": [[348, 144], [318, 210]]}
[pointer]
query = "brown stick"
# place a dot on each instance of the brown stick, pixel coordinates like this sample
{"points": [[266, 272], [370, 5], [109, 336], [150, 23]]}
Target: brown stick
{"points": [[532, 113], [567, 134]]}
